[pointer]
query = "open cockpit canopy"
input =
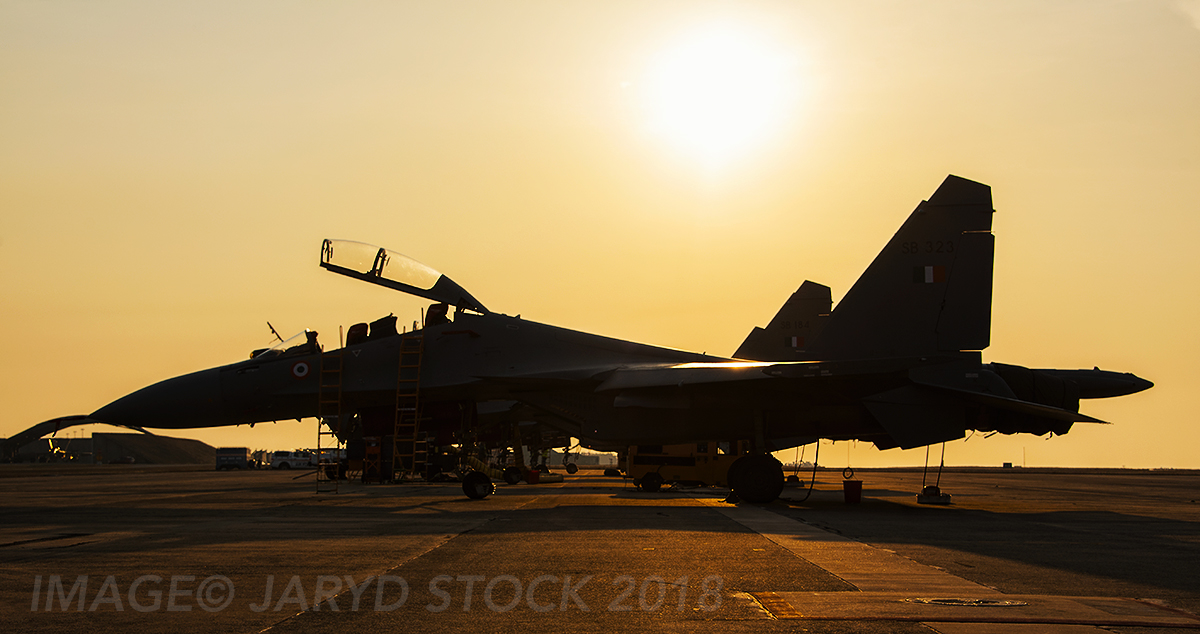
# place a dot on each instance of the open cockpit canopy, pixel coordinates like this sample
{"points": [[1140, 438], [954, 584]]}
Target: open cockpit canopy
{"points": [[395, 271]]}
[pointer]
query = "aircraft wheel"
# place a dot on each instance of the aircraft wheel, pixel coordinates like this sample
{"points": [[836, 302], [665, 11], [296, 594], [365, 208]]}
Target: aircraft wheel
{"points": [[477, 485], [572, 468], [652, 482], [733, 477], [512, 475], [759, 479], [612, 473]]}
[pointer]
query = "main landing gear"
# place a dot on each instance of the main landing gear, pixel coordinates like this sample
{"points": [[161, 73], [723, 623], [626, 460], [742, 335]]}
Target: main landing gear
{"points": [[756, 478]]}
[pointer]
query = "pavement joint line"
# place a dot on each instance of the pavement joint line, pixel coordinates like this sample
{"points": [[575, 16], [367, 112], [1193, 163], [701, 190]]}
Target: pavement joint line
{"points": [[758, 604], [1010, 628], [776, 605], [1038, 610], [1162, 606], [864, 566], [885, 580]]}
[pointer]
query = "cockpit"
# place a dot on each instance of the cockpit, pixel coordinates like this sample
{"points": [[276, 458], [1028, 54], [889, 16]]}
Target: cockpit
{"points": [[304, 342], [386, 268], [395, 271]]}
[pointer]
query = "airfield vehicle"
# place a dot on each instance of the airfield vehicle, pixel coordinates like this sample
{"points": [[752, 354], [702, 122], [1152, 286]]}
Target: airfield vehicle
{"points": [[233, 458], [703, 463], [298, 459]]}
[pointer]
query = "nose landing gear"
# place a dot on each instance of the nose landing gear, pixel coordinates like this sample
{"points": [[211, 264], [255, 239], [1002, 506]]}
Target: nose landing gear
{"points": [[477, 485]]}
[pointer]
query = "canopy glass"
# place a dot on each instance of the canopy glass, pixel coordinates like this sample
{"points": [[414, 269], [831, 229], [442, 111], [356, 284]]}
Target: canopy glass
{"points": [[394, 270]]}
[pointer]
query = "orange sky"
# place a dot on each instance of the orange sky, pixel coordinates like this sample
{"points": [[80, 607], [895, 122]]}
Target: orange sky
{"points": [[168, 170]]}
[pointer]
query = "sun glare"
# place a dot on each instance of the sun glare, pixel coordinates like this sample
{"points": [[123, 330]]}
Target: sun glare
{"points": [[719, 92]]}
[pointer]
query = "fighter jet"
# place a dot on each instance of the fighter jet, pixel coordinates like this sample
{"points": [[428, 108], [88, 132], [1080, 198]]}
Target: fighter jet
{"points": [[898, 362]]}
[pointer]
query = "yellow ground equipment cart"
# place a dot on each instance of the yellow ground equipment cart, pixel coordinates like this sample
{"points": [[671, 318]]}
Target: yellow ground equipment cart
{"points": [[705, 463]]}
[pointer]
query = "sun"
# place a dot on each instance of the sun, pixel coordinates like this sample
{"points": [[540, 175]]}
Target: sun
{"points": [[719, 92]]}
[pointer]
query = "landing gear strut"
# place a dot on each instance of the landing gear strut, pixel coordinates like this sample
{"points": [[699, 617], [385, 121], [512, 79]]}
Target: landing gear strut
{"points": [[571, 467]]}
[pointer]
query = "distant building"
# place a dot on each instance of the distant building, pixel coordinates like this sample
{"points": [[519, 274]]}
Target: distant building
{"points": [[104, 448]]}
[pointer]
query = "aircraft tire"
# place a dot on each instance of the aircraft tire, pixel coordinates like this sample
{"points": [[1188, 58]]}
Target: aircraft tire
{"points": [[733, 477], [612, 473], [512, 475], [759, 480], [652, 482], [572, 468], [477, 485]]}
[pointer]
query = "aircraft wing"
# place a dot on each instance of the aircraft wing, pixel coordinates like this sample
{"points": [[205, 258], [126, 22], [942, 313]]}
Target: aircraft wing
{"points": [[683, 374], [968, 382]]}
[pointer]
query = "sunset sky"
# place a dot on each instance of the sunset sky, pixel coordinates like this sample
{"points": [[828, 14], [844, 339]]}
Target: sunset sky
{"points": [[665, 172]]}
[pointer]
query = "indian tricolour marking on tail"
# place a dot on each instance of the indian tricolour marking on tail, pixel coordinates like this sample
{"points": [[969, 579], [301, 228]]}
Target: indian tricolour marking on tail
{"points": [[929, 274]]}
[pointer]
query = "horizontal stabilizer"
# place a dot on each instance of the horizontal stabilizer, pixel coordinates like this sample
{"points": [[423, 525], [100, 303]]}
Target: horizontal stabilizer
{"points": [[1023, 407]]}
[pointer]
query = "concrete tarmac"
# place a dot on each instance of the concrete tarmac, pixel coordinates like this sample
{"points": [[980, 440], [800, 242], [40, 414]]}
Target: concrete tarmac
{"points": [[119, 548]]}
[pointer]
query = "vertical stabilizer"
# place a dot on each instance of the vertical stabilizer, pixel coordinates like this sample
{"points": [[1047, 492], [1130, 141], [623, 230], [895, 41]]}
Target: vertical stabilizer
{"points": [[929, 291], [793, 328]]}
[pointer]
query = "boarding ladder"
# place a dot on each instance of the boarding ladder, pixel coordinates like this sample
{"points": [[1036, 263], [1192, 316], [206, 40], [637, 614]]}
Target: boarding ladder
{"points": [[409, 448], [330, 444]]}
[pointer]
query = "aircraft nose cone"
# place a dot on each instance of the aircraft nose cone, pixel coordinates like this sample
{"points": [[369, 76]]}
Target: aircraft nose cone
{"points": [[1138, 384], [191, 400]]}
